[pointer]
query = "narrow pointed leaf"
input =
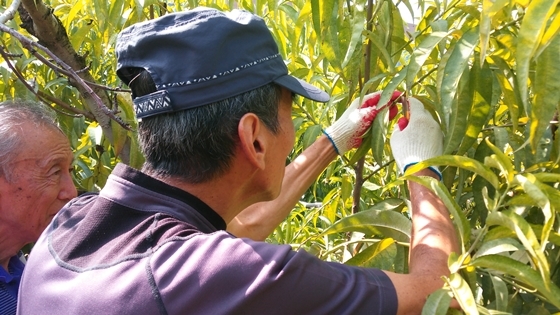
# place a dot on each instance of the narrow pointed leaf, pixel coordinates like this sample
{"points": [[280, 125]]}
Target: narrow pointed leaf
{"points": [[390, 223], [521, 272], [356, 38], [380, 255], [501, 293], [380, 47], [489, 9], [458, 161], [458, 60], [546, 90], [552, 31], [482, 81], [459, 115], [525, 234], [463, 294], [421, 54], [504, 162], [530, 34], [437, 303]]}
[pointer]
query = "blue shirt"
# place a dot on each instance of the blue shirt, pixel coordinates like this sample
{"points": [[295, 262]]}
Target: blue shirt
{"points": [[9, 285]]}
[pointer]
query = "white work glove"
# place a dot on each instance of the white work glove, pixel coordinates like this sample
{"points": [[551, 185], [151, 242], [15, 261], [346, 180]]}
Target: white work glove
{"points": [[418, 139], [346, 133]]}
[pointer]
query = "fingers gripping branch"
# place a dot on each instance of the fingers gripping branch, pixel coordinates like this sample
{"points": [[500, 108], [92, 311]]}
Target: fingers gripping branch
{"points": [[346, 133]]}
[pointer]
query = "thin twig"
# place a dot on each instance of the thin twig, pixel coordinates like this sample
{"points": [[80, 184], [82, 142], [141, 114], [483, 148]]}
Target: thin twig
{"points": [[31, 45], [41, 95], [10, 12]]}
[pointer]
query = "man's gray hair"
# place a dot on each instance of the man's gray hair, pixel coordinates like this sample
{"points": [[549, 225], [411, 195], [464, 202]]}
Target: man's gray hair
{"points": [[13, 114], [197, 145]]}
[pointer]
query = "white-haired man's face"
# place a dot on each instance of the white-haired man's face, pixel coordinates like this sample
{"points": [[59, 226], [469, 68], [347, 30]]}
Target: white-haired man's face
{"points": [[39, 183]]}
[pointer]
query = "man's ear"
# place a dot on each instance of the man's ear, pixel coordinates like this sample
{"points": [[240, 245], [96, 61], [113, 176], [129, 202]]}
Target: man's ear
{"points": [[253, 140]]}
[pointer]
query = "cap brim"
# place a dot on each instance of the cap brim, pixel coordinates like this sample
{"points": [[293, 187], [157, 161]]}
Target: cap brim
{"points": [[302, 88]]}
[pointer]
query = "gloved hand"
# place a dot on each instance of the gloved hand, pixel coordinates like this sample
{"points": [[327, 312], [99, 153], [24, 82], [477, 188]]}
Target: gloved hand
{"points": [[418, 139], [346, 133]]}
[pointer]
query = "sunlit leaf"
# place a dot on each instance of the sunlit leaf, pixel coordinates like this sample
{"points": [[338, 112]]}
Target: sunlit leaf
{"points": [[546, 91], [525, 234], [502, 161], [497, 246], [530, 34], [457, 161], [489, 9], [421, 54], [462, 293], [380, 255], [390, 223], [458, 60], [459, 115], [481, 87]]}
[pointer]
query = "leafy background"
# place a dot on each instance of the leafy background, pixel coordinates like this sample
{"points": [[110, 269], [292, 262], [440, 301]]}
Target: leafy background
{"points": [[488, 71]]}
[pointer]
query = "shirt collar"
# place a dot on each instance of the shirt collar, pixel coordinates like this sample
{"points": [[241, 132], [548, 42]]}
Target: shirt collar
{"points": [[15, 269]]}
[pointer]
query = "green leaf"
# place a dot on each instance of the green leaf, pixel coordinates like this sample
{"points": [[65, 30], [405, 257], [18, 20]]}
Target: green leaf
{"points": [[530, 34], [489, 10], [533, 188], [380, 47], [437, 303], [378, 135], [508, 92], [462, 293], [329, 33], [392, 86], [521, 272], [459, 114], [311, 135], [550, 33], [371, 222], [421, 54], [546, 91], [460, 162], [501, 293], [355, 39], [458, 60], [497, 246], [331, 204], [525, 234], [380, 255], [502, 161], [481, 86]]}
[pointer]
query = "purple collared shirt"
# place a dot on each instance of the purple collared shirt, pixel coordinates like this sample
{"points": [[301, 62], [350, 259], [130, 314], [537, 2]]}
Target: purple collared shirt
{"points": [[144, 247]]}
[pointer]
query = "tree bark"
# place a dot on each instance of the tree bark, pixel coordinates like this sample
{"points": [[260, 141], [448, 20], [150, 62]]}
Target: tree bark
{"points": [[39, 21]]}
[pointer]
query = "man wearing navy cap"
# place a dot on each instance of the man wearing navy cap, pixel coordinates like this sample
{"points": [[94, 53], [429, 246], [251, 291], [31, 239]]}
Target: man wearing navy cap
{"points": [[213, 98]]}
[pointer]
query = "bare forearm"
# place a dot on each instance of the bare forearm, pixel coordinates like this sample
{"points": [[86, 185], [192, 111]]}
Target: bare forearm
{"points": [[259, 220], [433, 239], [433, 234]]}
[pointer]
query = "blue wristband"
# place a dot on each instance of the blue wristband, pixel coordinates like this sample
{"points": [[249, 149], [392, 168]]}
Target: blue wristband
{"points": [[332, 141], [435, 170]]}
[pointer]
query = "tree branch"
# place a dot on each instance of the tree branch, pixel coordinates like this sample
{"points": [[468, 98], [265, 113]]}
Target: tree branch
{"points": [[10, 12], [41, 95]]}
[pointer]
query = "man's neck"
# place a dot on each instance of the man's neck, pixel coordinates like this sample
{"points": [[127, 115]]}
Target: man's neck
{"points": [[8, 247], [227, 196]]}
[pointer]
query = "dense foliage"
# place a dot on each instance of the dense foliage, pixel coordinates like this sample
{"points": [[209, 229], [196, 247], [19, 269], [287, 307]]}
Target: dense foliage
{"points": [[488, 71]]}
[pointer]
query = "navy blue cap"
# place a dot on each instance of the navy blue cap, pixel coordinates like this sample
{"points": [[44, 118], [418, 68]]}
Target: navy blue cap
{"points": [[202, 56]]}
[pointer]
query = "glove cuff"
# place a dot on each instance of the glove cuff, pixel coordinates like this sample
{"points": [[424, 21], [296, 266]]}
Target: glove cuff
{"points": [[332, 141], [433, 168]]}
